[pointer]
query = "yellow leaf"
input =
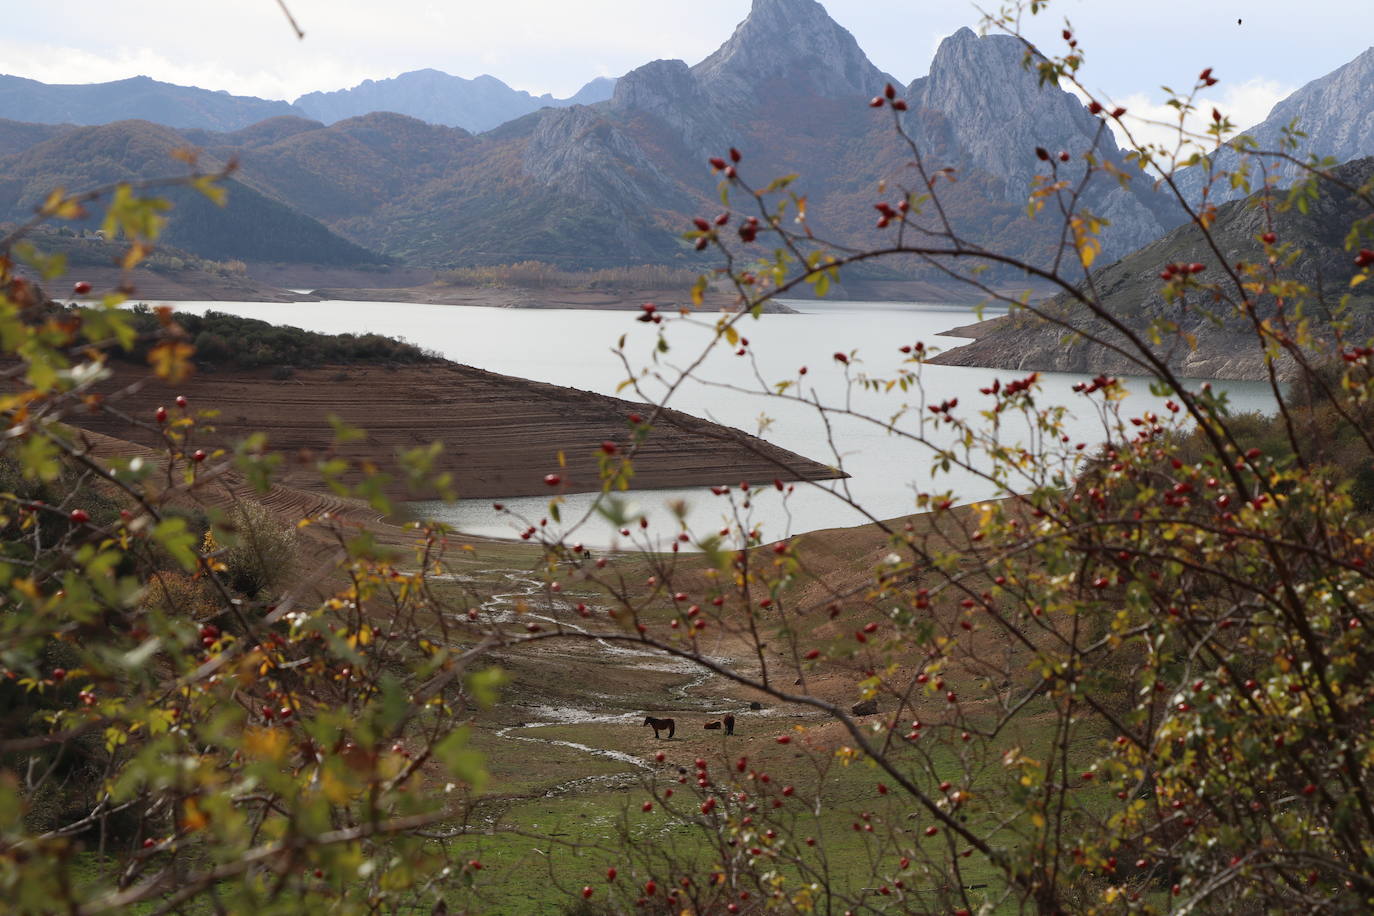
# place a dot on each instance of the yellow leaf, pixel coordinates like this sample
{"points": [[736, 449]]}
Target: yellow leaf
{"points": [[192, 818], [334, 788], [53, 200], [69, 209], [136, 253], [206, 185], [265, 743], [171, 360]]}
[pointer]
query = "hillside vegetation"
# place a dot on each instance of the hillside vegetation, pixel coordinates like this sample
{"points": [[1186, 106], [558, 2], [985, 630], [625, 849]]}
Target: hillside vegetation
{"points": [[225, 341], [538, 275], [251, 225], [1195, 329]]}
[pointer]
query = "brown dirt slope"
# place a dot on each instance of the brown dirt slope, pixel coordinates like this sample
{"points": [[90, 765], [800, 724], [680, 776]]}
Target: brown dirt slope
{"points": [[501, 435], [183, 286]]}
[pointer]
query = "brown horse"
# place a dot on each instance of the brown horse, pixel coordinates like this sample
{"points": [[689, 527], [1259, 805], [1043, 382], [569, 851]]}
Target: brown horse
{"points": [[729, 725], [659, 724]]}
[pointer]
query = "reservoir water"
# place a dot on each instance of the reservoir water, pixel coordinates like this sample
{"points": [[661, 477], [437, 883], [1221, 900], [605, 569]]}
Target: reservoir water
{"points": [[574, 348]]}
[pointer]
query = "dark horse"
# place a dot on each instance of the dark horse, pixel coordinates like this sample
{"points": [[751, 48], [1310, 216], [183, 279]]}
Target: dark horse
{"points": [[659, 724], [728, 722]]}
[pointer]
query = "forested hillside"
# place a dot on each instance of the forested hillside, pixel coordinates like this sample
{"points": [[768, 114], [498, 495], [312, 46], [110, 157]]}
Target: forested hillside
{"points": [[250, 226]]}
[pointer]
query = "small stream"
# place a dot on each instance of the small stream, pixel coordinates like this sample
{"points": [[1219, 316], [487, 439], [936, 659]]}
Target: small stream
{"points": [[501, 608]]}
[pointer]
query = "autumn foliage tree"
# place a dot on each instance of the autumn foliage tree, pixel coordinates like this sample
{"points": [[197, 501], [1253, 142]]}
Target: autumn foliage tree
{"points": [[1135, 681]]}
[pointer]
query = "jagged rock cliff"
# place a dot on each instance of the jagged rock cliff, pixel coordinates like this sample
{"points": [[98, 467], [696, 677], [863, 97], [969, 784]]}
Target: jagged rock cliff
{"points": [[585, 154], [996, 111], [791, 41]]}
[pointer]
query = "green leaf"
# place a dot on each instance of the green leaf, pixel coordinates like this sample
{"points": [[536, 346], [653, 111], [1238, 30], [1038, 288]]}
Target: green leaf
{"points": [[171, 533], [38, 456], [395, 704], [466, 764], [343, 432], [485, 685]]}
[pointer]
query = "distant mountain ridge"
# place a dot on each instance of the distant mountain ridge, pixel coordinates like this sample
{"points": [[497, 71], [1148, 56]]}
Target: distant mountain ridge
{"points": [[136, 98], [429, 95], [475, 105], [615, 182], [253, 226]]}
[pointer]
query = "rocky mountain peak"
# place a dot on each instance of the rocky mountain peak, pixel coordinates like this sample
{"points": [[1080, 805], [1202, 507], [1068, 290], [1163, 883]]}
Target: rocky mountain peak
{"points": [[669, 91], [996, 111], [793, 41], [655, 83], [1335, 111], [986, 77]]}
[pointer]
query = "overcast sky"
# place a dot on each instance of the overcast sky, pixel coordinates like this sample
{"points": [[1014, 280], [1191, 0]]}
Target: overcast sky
{"points": [[246, 46]]}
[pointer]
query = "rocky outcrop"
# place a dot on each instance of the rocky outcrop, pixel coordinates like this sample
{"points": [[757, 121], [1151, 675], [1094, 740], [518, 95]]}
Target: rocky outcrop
{"points": [[996, 112], [792, 41], [792, 44], [669, 91], [588, 159], [585, 154]]}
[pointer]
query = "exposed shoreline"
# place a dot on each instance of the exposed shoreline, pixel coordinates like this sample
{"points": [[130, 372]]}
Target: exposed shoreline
{"points": [[141, 284], [1025, 344], [501, 434], [521, 298], [277, 284]]}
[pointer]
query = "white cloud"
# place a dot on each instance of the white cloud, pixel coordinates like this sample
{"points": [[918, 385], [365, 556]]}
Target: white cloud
{"points": [[52, 64], [1150, 119], [556, 46], [531, 44]]}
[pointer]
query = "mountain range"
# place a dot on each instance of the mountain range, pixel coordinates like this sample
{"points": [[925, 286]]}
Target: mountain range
{"points": [[434, 96], [430, 95], [252, 226], [136, 98], [616, 181]]}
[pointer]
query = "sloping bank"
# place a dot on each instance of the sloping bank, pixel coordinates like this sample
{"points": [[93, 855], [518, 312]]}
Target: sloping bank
{"points": [[501, 435], [1223, 344]]}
